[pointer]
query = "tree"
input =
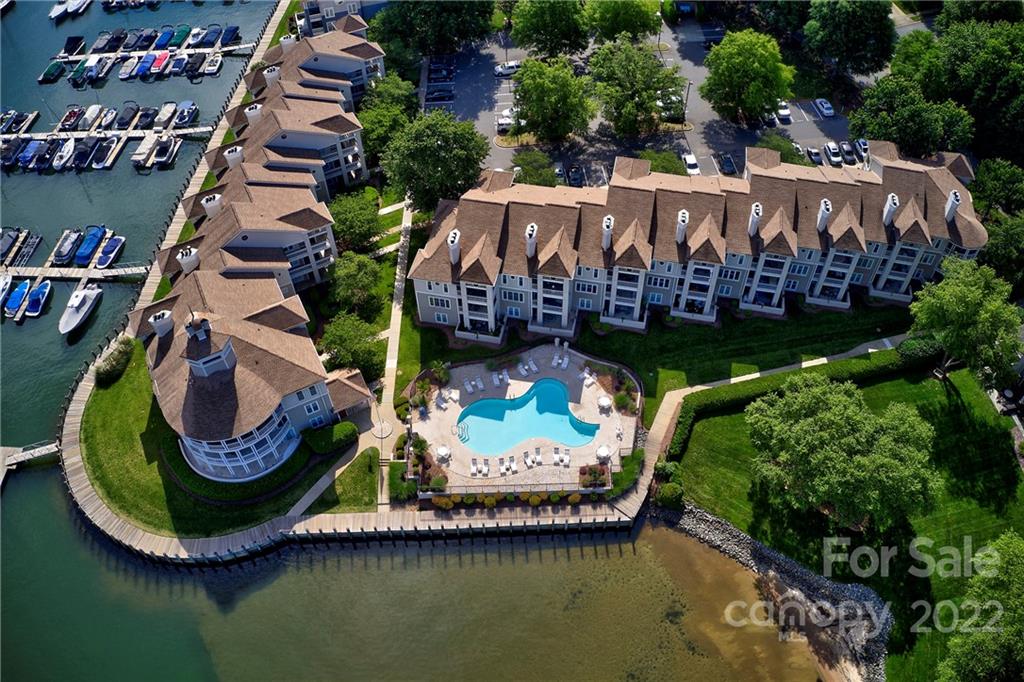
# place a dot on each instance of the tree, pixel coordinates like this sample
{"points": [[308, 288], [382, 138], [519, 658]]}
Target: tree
{"points": [[636, 18], [535, 168], [353, 283], [979, 653], [664, 162], [400, 56], [819, 447], [998, 185], [356, 224], [1004, 252], [350, 342], [391, 91], [784, 146], [783, 18], [553, 103], [550, 27], [912, 54], [437, 26], [858, 35], [435, 157], [630, 81], [894, 109], [380, 125], [956, 11], [969, 314], [746, 75]]}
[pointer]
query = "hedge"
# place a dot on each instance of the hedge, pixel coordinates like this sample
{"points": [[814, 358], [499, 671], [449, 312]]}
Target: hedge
{"points": [[400, 489], [114, 365], [332, 438], [631, 466], [732, 396]]}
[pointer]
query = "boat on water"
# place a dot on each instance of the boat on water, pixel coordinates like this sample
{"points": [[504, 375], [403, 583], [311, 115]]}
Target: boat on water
{"points": [[145, 64], [96, 71], [59, 10], [195, 65], [165, 116], [101, 42], [230, 35], [116, 40], [128, 68], [160, 63], [7, 120], [111, 250], [109, 116], [106, 66], [104, 152], [83, 302], [37, 299], [145, 120], [63, 156], [165, 150], [10, 151], [28, 154], [131, 40], [212, 66], [90, 116], [128, 113], [90, 73], [147, 38], [19, 123], [5, 284], [17, 298], [72, 46], [181, 34], [71, 117], [211, 36], [195, 36], [52, 73], [45, 157], [77, 75], [140, 157], [8, 238], [94, 234], [178, 65], [164, 39], [84, 150], [78, 6], [187, 112]]}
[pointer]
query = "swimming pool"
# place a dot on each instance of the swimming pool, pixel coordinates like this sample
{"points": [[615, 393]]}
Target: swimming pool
{"points": [[494, 425]]}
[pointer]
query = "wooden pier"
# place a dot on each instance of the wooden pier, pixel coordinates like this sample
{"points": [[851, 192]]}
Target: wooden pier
{"points": [[133, 134], [174, 52]]}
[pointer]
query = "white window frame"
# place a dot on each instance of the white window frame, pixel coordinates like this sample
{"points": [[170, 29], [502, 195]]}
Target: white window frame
{"points": [[438, 302], [792, 284], [857, 278], [441, 318], [585, 304], [654, 298], [586, 288], [725, 290], [513, 296], [312, 408], [513, 311]]}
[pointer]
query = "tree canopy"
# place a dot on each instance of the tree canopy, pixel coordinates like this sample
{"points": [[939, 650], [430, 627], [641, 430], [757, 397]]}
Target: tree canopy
{"points": [[356, 224], [391, 90], [436, 26], [819, 447], [664, 162], [746, 75], [630, 81], [969, 314], [976, 652], [912, 53], [380, 125], [635, 18], [859, 35], [353, 280], [535, 168], [784, 146], [350, 342], [1004, 252], [550, 27], [783, 18], [998, 186], [894, 109], [956, 11], [435, 157], [553, 103]]}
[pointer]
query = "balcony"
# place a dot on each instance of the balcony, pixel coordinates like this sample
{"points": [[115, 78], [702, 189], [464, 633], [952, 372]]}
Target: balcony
{"points": [[626, 322], [762, 303], [892, 290], [695, 313], [829, 298], [480, 332], [552, 325]]}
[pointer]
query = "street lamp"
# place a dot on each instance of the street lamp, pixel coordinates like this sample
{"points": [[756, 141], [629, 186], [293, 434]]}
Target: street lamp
{"points": [[660, 25]]}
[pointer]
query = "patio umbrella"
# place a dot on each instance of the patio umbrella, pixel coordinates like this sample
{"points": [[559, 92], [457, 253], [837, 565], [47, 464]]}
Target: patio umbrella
{"points": [[443, 452], [604, 402], [604, 452]]}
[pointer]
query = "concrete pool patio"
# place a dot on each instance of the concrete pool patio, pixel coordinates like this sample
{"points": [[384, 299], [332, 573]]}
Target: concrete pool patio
{"points": [[616, 431]]}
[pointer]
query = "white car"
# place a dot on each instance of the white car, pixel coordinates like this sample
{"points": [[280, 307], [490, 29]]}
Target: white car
{"points": [[692, 168], [510, 112], [507, 68], [783, 111], [824, 107], [504, 124], [559, 172], [832, 154]]}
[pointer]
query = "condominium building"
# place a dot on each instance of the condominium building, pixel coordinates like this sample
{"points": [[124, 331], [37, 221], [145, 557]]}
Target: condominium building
{"points": [[686, 245], [320, 16]]}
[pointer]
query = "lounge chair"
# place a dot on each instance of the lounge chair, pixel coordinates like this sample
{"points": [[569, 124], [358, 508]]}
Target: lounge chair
{"points": [[555, 360], [479, 382], [536, 457], [528, 459], [469, 386], [485, 469], [512, 464], [501, 465], [504, 375], [533, 366], [495, 379], [590, 380], [565, 361], [522, 370], [472, 467], [565, 460], [568, 457]]}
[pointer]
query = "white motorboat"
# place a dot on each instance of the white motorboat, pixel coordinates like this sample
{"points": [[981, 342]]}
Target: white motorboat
{"points": [[64, 154], [58, 11], [140, 157], [212, 66], [90, 116], [195, 36], [78, 6], [82, 303], [165, 115], [5, 286], [128, 68]]}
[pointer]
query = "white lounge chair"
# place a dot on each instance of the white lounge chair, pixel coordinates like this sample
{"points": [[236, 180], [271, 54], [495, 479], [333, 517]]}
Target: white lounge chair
{"points": [[565, 361], [568, 457], [522, 370], [485, 469], [469, 386], [472, 467], [495, 379], [584, 374], [528, 458], [533, 366], [536, 457], [501, 465], [590, 380], [479, 383], [504, 375], [512, 464], [554, 360]]}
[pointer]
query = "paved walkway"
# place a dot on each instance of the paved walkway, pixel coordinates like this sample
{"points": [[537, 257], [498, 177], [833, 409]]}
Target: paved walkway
{"points": [[392, 208]]}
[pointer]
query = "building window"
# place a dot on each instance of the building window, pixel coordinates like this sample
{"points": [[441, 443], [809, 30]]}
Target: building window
{"points": [[513, 296], [865, 262], [328, 12], [876, 248], [312, 408], [585, 304], [730, 275], [857, 278], [654, 297], [798, 269], [441, 318], [928, 259], [316, 422], [436, 302], [792, 284], [724, 290], [586, 288], [659, 282], [512, 311]]}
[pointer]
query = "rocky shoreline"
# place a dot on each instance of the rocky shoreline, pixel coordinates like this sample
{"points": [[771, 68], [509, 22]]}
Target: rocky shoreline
{"points": [[866, 621]]}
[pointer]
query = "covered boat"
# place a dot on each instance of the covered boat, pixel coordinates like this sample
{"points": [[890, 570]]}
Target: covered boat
{"points": [[37, 299], [127, 115], [111, 250], [52, 73], [229, 36], [187, 112], [164, 39], [211, 36], [104, 152], [77, 75], [8, 238], [116, 40], [160, 63], [180, 35], [28, 154], [81, 305], [178, 65], [78, 6], [166, 115], [147, 38], [10, 151], [93, 71], [90, 116], [72, 46], [195, 65], [84, 151], [128, 68], [142, 153], [101, 42], [131, 41], [59, 10], [45, 157], [146, 116], [93, 236], [17, 298], [144, 65]]}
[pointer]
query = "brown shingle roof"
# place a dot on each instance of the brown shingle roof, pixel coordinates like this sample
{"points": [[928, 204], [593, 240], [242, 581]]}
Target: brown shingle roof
{"points": [[347, 389]]}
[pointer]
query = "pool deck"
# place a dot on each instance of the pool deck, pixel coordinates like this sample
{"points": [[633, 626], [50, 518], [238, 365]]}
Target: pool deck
{"points": [[439, 426]]}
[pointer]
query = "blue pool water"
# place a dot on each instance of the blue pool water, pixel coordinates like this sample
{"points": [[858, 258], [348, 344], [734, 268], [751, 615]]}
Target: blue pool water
{"points": [[493, 426]]}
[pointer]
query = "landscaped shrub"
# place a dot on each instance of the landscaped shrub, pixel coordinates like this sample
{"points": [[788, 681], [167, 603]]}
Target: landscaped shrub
{"points": [[535, 500], [456, 498], [920, 349], [593, 476], [665, 470], [469, 499], [555, 498], [400, 445], [525, 497], [400, 489], [574, 499], [670, 495], [442, 502], [510, 497], [332, 438], [114, 365], [631, 465], [490, 502], [402, 409], [621, 401], [438, 483], [594, 497]]}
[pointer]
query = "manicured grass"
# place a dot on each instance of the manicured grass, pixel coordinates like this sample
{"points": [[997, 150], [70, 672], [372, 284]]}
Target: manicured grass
{"points": [[247, 97], [162, 289], [981, 498], [670, 358], [229, 137], [385, 289], [399, 489], [132, 458], [355, 490], [388, 240], [209, 181], [188, 230], [389, 220], [391, 195], [624, 480], [282, 27]]}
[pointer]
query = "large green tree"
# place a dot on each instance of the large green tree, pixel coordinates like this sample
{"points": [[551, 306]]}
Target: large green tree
{"points": [[534, 168], [353, 281], [553, 103], [380, 125], [912, 54], [894, 109], [550, 27], [746, 75], [957, 11], [436, 26], [988, 640], [636, 18], [784, 146], [783, 18], [819, 447], [1004, 252], [400, 56], [630, 82], [859, 35], [350, 342], [435, 157], [970, 315], [356, 224], [998, 186], [391, 90]]}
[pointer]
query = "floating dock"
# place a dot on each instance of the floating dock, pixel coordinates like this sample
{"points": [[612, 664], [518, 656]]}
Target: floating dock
{"points": [[175, 52]]}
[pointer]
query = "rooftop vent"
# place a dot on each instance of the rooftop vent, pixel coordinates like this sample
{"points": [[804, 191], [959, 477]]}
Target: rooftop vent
{"points": [[607, 227], [756, 211], [454, 247], [531, 240], [682, 220], [824, 211]]}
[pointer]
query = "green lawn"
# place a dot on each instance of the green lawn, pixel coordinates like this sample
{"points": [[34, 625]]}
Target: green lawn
{"points": [[385, 289], [391, 195], [209, 181], [131, 453], [355, 490], [982, 497], [229, 137], [389, 220], [670, 358], [282, 27], [388, 240], [188, 230]]}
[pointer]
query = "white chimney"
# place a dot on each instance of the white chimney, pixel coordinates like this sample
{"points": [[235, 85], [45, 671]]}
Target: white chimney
{"points": [[212, 203], [454, 248], [233, 156], [287, 43], [682, 220], [188, 259], [162, 322], [531, 240], [824, 211], [271, 74], [607, 226], [952, 205], [892, 202], [756, 210], [253, 113]]}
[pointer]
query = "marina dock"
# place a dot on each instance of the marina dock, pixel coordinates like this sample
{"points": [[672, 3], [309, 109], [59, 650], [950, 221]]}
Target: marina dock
{"points": [[187, 51], [131, 134]]}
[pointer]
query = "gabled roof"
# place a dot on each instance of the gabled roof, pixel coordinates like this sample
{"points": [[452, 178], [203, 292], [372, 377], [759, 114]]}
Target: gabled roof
{"points": [[632, 250], [845, 230], [911, 225], [558, 259], [706, 242], [777, 235]]}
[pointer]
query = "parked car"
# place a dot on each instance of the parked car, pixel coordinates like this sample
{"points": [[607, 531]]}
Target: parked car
{"points": [[441, 77], [692, 167], [798, 149], [784, 114], [505, 124], [559, 172], [860, 147], [832, 154], [506, 69], [824, 107], [510, 112], [726, 164], [846, 150], [768, 119], [439, 96], [576, 177], [814, 154]]}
